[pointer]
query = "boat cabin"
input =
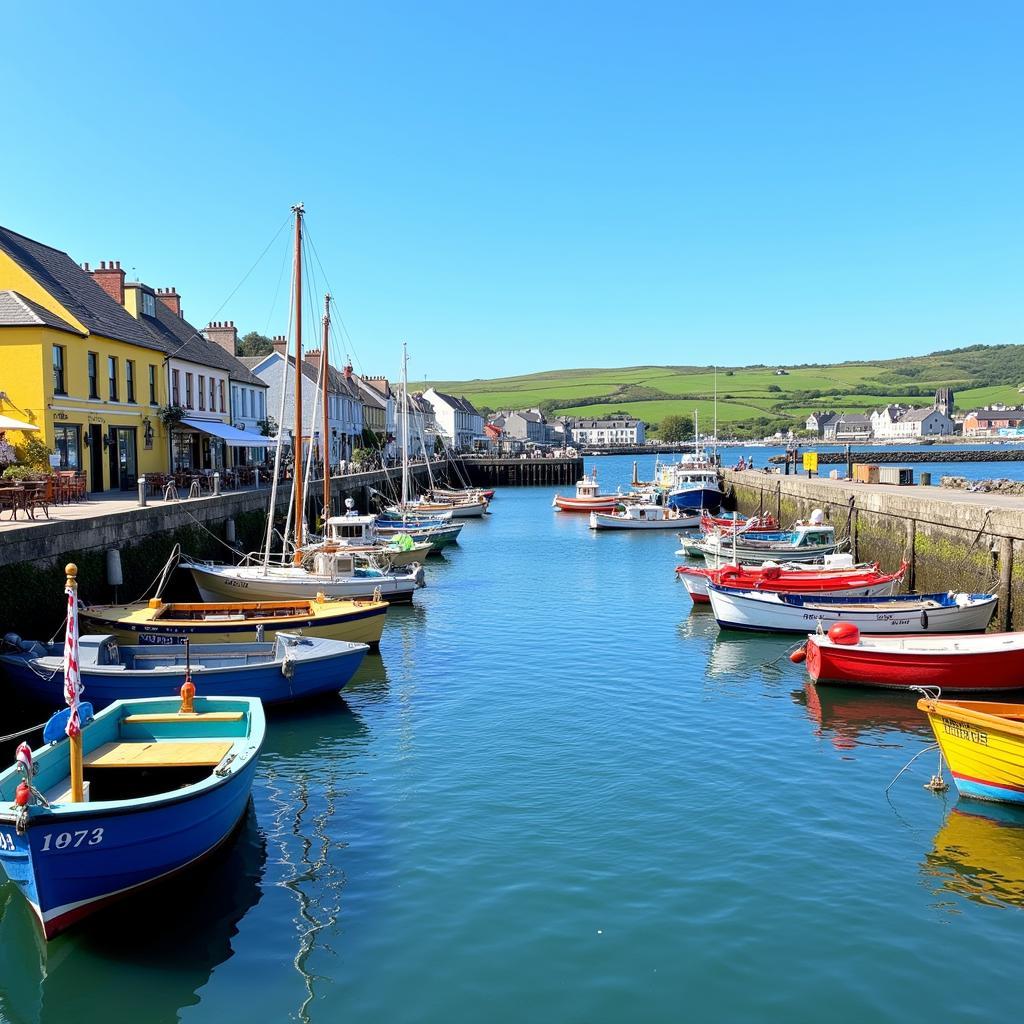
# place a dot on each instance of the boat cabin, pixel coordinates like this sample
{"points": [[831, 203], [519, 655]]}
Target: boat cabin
{"points": [[351, 530]]}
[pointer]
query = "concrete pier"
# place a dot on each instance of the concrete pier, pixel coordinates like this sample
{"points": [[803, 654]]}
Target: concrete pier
{"points": [[952, 540]]}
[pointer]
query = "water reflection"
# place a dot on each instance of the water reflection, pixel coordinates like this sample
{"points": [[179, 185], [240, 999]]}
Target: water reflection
{"points": [[979, 853], [165, 942], [848, 716]]}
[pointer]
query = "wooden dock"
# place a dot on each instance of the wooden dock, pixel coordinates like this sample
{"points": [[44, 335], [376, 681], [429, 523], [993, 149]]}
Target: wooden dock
{"points": [[490, 472]]}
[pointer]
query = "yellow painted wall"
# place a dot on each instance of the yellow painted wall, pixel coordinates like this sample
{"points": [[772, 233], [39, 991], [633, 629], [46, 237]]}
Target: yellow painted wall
{"points": [[14, 277]]}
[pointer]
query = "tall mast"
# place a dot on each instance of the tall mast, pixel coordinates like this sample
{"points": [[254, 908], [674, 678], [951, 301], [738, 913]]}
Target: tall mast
{"points": [[325, 446], [298, 210], [405, 427]]}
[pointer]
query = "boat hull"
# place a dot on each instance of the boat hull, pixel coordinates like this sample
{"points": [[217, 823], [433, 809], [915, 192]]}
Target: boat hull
{"points": [[327, 671], [117, 848], [725, 553], [697, 587], [984, 754], [602, 503], [707, 498], [898, 664], [612, 521], [283, 586], [359, 623], [757, 612]]}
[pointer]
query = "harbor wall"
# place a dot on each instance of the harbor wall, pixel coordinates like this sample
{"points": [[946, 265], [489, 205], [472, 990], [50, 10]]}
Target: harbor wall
{"points": [[949, 544], [493, 472], [32, 559]]}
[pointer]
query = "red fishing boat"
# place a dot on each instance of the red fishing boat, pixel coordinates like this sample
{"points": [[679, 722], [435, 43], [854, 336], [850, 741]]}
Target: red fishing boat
{"points": [[587, 498], [974, 663], [851, 580]]}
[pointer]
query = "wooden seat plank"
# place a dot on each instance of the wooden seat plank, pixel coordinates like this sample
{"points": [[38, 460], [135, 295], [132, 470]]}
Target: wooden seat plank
{"points": [[205, 716], [158, 754]]}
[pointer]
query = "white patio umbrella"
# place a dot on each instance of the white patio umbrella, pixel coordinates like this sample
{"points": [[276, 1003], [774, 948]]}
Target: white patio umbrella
{"points": [[6, 423]]}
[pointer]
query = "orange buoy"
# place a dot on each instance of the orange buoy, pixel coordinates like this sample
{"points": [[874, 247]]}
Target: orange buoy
{"points": [[22, 794], [799, 655], [845, 633], [188, 692]]}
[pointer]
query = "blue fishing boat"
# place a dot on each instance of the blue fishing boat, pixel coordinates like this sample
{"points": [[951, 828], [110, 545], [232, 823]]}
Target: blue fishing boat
{"points": [[165, 782], [437, 534], [290, 668]]}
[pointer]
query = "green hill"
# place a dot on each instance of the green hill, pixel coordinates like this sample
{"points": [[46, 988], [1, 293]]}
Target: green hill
{"points": [[752, 399]]}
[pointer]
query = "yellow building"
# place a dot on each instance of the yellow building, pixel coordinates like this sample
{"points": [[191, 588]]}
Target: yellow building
{"points": [[77, 365]]}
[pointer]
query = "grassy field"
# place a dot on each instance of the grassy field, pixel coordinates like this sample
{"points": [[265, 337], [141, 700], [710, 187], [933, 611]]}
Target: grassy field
{"points": [[979, 375]]}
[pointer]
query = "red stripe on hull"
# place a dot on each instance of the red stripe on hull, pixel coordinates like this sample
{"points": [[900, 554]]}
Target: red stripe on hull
{"points": [[585, 505], [981, 672]]}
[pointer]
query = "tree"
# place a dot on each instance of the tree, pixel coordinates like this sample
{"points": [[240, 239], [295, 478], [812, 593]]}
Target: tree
{"points": [[774, 388], [255, 344], [675, 428]]}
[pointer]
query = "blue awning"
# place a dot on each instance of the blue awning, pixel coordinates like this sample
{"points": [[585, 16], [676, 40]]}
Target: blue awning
{"points": [[233, 436]]}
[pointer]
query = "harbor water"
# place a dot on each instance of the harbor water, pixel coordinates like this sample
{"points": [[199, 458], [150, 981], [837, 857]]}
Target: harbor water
{"points": [[559, 794]]}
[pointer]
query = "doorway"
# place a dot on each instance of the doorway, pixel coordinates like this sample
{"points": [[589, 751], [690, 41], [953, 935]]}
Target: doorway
{"points": [[124, 451], [95, 457]]}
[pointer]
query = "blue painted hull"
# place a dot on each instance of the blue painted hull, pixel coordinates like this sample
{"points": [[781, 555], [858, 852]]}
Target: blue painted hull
{"points": [[309, 679], [707, 498], [987, 790], [137, 848]]}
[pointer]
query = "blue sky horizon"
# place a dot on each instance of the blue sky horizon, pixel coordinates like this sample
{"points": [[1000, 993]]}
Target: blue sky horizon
{"points": [[545, 187]]}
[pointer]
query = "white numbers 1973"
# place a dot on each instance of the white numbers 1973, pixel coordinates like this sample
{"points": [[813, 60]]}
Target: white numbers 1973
{"points": [[66, 840]]}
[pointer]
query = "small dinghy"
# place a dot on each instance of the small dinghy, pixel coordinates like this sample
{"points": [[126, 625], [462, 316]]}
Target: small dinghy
{"points": [[806, 542], [130, 797], [289, 668], [972, 663], [642, 516], [794, 613]]}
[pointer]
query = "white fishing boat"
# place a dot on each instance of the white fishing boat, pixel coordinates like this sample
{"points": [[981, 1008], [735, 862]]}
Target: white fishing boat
{"points": [[795, 613], [805, 542], [357, 535], [333, 574], [643, 516]]}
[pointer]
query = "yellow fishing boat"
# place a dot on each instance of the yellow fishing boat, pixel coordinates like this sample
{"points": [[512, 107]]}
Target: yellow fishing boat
{"points": [[983, 744], [236, 621]]}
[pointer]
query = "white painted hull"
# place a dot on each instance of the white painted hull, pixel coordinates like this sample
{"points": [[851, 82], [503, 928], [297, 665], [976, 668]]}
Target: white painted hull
{"points": [[697, 588], [282, 583], [766, 613], [611, 521], [715, 556]]}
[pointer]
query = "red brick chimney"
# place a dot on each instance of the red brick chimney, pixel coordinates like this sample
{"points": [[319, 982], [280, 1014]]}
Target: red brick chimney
{"points": [[171, 299], [223, 333], [110, 277], [280, 344], [312, 356]]}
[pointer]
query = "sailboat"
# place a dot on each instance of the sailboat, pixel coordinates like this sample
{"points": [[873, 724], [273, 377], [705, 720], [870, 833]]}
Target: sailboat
{"points": [[297, 572], [456, 508]]}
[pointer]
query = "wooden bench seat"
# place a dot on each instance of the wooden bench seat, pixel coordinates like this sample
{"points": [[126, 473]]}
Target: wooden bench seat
{"points": [[205, 716], [158, 754]]}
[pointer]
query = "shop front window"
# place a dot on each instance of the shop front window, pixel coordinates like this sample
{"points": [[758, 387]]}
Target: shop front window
{"points": [[67, 441]]}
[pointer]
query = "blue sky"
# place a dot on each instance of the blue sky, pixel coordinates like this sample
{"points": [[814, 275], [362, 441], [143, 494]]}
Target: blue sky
{"points": [[529, 186]]}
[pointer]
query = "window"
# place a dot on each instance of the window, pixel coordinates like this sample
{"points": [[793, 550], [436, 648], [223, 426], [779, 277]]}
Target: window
{"points": [[213, 395], [129, 380], [220, 384], [152, 384], [148, 304], [262, 414], [202, 391], [188, 390], [66, 441], [175, 388], [58, 370], [94, 374], [112, 377]]}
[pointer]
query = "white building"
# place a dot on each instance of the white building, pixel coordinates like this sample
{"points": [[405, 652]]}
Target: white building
{"points": [[608, 432], [457, 419], [922, 423], [344, 407]]}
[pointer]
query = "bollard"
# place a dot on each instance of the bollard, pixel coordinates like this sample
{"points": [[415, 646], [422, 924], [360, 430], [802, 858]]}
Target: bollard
{"points": [[142, 492], [257, 478], [229, 531], [216, 484]]}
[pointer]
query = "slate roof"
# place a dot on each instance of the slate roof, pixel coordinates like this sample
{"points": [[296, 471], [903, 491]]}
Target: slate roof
{"points": [[618, 422], [74, 289], [369, 394], [855, 420], [463, 404], [918, 415], [178, 338], [18, 311]]}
